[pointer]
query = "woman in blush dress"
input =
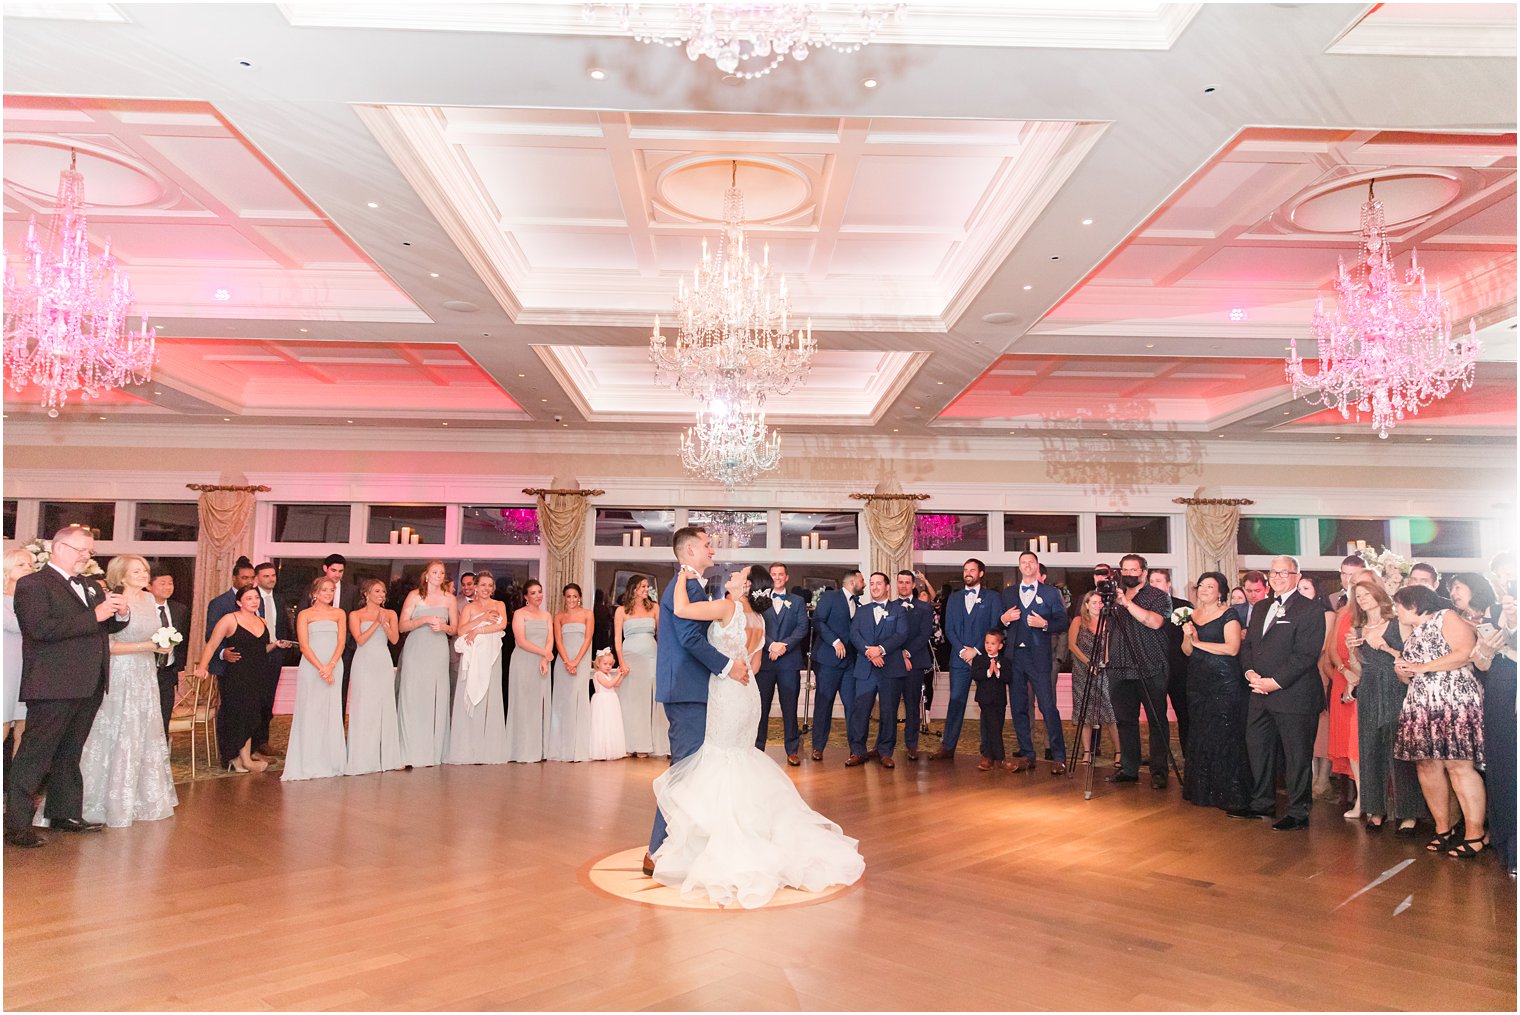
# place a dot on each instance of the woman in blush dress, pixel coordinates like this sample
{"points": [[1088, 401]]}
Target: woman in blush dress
{"points": [[125, 764], [428, 616], [241, 686], [1218, 770], [607, 742], [1087, 689], [478, 730], [528, 676], [17, 563], [570, 714], [634, 628], [374, 735], [317, 749]]}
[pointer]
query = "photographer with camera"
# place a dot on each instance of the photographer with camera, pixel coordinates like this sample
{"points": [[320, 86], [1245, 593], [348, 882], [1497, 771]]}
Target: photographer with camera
{"points": [[1137, 667]]}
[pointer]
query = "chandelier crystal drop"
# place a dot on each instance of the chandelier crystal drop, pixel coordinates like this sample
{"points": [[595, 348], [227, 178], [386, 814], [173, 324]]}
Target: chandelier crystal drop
{"points": [[734, 341], [66, 326], [749, 40], [935, 532], [728, 528], [1386, 349], [730, 446]]}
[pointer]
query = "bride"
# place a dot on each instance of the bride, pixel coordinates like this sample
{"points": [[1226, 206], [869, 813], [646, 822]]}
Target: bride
{"points": [[737, 830]]}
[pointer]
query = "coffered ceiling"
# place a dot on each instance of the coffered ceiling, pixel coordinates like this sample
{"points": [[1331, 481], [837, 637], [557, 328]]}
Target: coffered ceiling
{"points": [[1084, 217]]}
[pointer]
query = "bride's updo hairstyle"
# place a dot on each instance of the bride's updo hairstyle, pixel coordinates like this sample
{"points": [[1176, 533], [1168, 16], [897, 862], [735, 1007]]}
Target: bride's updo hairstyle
{"points": [[759, 588]]}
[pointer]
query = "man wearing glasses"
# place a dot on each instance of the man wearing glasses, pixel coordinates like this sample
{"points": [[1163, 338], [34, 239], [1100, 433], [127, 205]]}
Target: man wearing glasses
{"points": [[65, 621], [1137, 670], [1280, 656]]}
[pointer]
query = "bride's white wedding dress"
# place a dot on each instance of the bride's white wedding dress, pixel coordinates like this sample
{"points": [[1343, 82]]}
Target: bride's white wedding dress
{"points": [[736, 828]]}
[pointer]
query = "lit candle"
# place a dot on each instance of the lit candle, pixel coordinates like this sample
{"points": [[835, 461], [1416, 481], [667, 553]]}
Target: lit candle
{"points": [[628, 539], [1350, 547], [406, 533], [1034, 544], [656, 325], [823, 544], [1055, 547], [395, 536], [648, 540], [1044, 545], [1361, 544], [416, 538], [807, 542]]}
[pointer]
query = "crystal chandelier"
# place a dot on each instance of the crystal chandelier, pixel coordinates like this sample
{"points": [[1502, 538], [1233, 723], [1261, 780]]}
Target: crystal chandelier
{"points": [[934, 532], [66, 325], [1387, 348], [728, 528], [733, 342], [731, 446], [749, 40], [517, 523]]}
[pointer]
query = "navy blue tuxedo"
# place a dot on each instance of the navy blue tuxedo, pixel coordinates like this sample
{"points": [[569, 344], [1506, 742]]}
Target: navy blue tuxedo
{"points": [[832, 675], [1028, 651], [920, 650], [787, 625], [965, 628], [885, 625]]}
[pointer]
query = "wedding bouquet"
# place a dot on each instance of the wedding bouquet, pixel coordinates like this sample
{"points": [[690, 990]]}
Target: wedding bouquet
{"points": [[1387, 563], [1181, 615], [166, 637], [42, 552]]}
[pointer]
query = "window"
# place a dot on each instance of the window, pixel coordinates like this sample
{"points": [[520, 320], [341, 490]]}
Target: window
{"points": [[1134, 534], [99, 516], [1444, 537], [499, 526], [1024, 532], [720, 524], [1339, 537], [424, 521], [168, 521], [1273, 536], [10, 519], [614, 577], [839, 529], [400, 576], [632, 527], [935, 531], [311, 523]]}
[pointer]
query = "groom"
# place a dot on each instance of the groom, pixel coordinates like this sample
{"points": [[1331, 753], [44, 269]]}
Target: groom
{"points": [[683, 662]]}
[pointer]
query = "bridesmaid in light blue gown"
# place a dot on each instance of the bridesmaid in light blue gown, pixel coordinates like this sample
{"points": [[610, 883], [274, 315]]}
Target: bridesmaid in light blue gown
{"points": [[374, 738], [317, 749], [528, 677], [634, 628], [570, 713], [478, 730], [428, 617]]}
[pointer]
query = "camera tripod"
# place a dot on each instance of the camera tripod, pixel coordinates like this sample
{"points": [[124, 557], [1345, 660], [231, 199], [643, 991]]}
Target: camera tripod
{"points": [[1098, 670]]}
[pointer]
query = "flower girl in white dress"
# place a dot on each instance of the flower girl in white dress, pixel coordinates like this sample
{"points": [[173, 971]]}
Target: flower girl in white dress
{"points": [[607, 741]]}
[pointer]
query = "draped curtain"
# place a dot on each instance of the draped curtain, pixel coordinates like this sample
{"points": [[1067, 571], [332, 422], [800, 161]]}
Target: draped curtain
{"points": [[889, 520], [1212, 525], [226, 516], [562, 521]]}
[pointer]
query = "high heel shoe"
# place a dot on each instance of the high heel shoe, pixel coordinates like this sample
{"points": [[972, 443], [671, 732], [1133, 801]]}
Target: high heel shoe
{"points": [[1465, 850], [1442, 841], [232, 766]]}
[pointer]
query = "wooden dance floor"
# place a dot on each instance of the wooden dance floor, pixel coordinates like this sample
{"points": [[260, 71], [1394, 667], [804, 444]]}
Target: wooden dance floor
{"points": [[467, 888]]}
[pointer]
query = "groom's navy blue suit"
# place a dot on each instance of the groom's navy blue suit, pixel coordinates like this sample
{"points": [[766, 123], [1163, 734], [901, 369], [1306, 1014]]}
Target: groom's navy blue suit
{"points": [[890, 631], [789, 626], [684, 661], [1030, 652]]}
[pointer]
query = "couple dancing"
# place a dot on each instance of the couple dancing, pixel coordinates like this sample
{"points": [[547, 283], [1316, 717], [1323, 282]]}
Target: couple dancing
{"points": [[729, 822]]}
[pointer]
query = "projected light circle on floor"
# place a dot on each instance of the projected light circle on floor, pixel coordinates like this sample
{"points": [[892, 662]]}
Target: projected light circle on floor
{"points": [[620, 876]]}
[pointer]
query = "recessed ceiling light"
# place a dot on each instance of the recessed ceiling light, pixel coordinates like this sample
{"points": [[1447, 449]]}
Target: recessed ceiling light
{"points": [[564, 424], [1150, 345], [939, 382], [1028, 287], [918, 407], [226, 419], [597, 74], [1430, 438], [160, 393], [522, 375], [303, 331], [1012, 432], [445, 424], [894, 429], [102, 418], [1105, 433], [1087, 222], [434, 274], [1337, 438], [374, 204], [543, 399], [348, 421], [1000, 317], [1237, 313], [1287, 412], [869, 82]]}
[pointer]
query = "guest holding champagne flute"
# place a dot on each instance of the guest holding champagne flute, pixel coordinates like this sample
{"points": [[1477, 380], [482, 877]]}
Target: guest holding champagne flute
{"points": [[635, 627], [570, 715], [317, 749], [374, 737], [478, 730], [528, 677], [428, 616]]}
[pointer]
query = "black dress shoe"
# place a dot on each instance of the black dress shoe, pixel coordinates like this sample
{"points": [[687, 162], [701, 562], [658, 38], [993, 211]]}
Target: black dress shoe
{"points": [[1122, 777], [75, 825], [648, 866], [25, 839], [1246, 812], [1290, 824], [1158, 781]]}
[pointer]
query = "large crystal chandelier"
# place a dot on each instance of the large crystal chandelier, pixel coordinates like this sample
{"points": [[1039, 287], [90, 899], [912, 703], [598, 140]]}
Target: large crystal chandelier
{"points": [[66, 325], [733, 339], [1387, 348], [749, 40], [728, 528], [730, 446]]}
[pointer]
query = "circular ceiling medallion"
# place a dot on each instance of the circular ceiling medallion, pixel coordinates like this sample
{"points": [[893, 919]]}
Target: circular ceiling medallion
{"points": [[1408, 195], [111, 179], [773, 188]]}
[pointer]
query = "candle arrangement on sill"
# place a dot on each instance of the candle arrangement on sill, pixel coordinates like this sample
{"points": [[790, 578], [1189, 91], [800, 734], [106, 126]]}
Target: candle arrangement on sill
{"points": [[813, 541], [406, 536], [637, 538], [1042, 544]]}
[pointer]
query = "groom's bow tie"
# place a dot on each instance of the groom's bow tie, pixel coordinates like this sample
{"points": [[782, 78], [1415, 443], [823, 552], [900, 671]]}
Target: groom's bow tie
{"points": [[1026, 588]]}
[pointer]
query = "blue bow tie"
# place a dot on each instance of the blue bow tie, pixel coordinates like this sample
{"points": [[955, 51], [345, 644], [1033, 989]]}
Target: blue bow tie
{"points": [[1026, 588]]}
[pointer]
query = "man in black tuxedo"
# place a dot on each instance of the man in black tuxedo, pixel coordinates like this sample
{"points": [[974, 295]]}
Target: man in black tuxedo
{"points": [[786, 628], [1280, 657], [279, 619], [66, 622], [1176, 662], [918, 654], [176, 615]]}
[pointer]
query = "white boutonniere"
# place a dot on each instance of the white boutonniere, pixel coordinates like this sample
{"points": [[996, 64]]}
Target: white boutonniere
{"points": [[166, 637], [1038, 601], [907, 605], [786, 602]]}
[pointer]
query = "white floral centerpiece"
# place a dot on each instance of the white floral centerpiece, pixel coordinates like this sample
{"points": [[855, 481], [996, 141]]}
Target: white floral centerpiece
{"points": [[42, 552]]}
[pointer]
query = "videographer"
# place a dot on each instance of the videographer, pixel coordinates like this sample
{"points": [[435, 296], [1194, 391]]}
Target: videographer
{"points": [[1137, 668]]}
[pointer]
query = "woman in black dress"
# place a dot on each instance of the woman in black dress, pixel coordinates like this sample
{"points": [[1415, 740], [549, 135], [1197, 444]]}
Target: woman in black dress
{"points": [[1218, 772], [1375, 643], [241, 685]]}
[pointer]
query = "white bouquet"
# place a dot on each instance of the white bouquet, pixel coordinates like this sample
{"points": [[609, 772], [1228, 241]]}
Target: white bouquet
{"points": [[1181, 615], [166, 637]]}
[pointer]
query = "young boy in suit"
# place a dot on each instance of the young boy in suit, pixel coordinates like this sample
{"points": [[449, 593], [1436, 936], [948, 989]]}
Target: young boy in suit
{"points": [[989, 671]]}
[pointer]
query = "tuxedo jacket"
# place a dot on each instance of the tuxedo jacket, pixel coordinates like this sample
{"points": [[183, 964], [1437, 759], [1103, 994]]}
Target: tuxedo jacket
{"points": [[890, 632], [684, 659], [65, 651], [790, 627], [963, 627], [987, 690], [1175, 659], [1019, 636], [920, 618], [831, 623], [179, 619], [1287, 650]]}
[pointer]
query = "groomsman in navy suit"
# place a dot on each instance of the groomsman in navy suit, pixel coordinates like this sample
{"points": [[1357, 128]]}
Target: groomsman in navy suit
{"points": [[833, 656], [878, 632], [969, 614], [918, 654], [786, 627], [1033, 616]]}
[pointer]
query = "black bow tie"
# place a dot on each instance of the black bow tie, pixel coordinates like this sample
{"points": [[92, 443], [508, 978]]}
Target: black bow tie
{"points": [[79, 579]]}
